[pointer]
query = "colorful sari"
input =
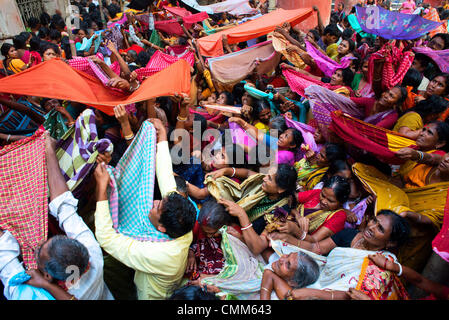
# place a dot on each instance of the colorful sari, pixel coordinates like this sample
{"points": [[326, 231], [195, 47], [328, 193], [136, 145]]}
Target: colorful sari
{"points": [[248, 195], [429, 200]]}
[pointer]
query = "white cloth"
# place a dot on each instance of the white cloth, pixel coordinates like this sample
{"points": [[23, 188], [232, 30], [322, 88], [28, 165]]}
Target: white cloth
{"points": [[423, 85]]}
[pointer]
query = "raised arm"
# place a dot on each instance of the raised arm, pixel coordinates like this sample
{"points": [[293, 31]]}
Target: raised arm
{"points": [[23, 109]]}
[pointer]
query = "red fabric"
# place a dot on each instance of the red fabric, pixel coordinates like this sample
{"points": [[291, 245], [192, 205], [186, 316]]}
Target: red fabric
{"points": [[23, 193], [367, 136], [366, 103], [212, 45], [336, 223], [310, 198], [169, 26], [440, 243], [55, 79], [135, 47]]}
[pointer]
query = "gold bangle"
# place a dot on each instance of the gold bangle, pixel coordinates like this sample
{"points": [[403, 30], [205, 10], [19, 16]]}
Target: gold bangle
{"points": [[129, 137], [263, 288], [181, 118], [72, 298]]}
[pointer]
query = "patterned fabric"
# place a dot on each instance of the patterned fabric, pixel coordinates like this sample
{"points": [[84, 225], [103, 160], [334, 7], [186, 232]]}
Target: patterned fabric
{"points": [[433, 15], [15, 122], [381, 142], [78, 149], [23, 190], [393, 25], [242, 273], [208, 254], [234, 7], [132, 188], [160, 61], [88, 66], [55, 124], [441, 57]]}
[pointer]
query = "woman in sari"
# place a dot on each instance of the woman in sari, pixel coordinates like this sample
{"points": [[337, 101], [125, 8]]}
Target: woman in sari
{"points": [[411, 123], [12, 63], [347, 264], [421, 197], [438, 85], [361, 83]]}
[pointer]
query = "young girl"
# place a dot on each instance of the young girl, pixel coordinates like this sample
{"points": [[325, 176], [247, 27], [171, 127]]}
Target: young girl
{"points": [[205, 254]]}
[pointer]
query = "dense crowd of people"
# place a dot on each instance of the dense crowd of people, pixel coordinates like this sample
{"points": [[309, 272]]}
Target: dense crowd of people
{"points": [[208, 150]]}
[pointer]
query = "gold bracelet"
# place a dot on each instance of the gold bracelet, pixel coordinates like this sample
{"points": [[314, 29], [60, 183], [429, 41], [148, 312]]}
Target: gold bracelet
{"points": [[181, 118], [265, 289], [129, 137], [72, 298]]}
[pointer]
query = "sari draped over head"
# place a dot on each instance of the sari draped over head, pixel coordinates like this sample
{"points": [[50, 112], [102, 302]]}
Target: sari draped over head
{"points": [[440, 57], [393, 25], [280, 44], [381, 142], [23, 193], [429, 200], [231, 68], [132, 188], [326, 64], [78, 148], [248, 195]]}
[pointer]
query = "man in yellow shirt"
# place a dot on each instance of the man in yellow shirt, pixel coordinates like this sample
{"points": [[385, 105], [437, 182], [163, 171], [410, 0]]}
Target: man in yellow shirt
{"points": [[159, 266]]}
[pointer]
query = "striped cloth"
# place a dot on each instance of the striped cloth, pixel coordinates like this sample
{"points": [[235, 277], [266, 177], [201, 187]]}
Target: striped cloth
{"points": [[159, 61], [86, 65], [132, 188], [78, 149], [23, 193]]}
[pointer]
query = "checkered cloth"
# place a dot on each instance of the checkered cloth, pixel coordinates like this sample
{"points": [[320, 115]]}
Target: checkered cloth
{"points": [[160, 61], [78, 149], [132, 187], [23, 193]]}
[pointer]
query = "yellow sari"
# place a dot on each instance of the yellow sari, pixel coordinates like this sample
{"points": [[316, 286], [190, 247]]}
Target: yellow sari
{"points": [[429, 200]]}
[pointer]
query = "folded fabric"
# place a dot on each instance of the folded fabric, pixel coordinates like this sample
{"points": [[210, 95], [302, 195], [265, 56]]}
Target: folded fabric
{"points": [[236, 66], [78, 148], [212, 45], [23, 193], [306, 131], [441, 57], [393, 25], [55, 79], [132, 188], [187, 17], [381, 142], [280, 44]]}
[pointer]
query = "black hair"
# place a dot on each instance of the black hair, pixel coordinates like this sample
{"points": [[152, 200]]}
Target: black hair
{"points": [[413, 79], [229, 98], [43, 32], [259, 106], [26, 34], [213, 215], [181, 184], [334, 152], [238, 91], [55, 34], [20, 42], [332, 30], [44, 19], [445, 38], [340, 186], [347, 35], [358, 61], [298, 139], [348, 76], [400, 227], [404, 94], [48, 45], [444, 15], [65, 45], [5, 49], [33, 22], [142, 58], [65, 252], [334, 168], [432, 105], [424, 60], [189, 292], [178, 215], [443, 133], [35, 43], [315, 33], [286, 177]]}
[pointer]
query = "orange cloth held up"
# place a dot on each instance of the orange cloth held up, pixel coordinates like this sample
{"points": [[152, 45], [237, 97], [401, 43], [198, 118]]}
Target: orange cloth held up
{"points": [[212, 45], [56, 79]]}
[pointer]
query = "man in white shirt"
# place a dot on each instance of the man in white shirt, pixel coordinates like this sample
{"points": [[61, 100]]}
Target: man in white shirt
{"points": [[69, 267]]}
